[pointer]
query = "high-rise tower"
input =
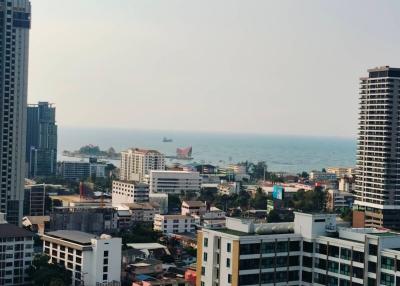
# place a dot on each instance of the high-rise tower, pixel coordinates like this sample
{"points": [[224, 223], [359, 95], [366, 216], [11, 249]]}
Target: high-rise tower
{"points": [[377, 184], [15, 19], [41, 141]]}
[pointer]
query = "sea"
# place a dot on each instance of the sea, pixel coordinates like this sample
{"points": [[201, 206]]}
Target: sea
{"points": [[291, 154]]}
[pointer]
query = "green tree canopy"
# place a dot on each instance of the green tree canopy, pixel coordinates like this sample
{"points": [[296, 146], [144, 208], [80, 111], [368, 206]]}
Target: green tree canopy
{"points": [[43, 273]]}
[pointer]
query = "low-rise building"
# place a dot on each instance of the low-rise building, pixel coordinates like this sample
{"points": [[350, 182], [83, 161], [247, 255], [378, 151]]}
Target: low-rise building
{"points": [[174, 223], [213, 219], [91, 259], [127, 215], [229, 188], [346, 185], [150, 250], [129, 192], [174, 182], [193, 208], [336, 200], [16, 253]]}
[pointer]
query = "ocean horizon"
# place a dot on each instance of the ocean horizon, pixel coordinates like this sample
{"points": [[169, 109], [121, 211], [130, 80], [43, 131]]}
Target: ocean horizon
{"points": [[290, 153]]}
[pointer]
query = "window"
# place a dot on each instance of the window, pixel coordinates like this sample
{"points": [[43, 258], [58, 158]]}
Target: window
{"points": [[203, 271], [229, 278], [228, 247], [105, 253], [105, 277], [206, 242], [205, 256], [228, 262]]}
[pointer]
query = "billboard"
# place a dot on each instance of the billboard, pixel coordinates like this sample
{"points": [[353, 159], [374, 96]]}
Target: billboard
{"points": [[277, 192]]}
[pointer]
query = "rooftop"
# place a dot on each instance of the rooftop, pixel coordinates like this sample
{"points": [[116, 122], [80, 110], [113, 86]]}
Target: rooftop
{"points": [[146, 245], [143, 151], [73, 236], [194, 204], [10, 230]]}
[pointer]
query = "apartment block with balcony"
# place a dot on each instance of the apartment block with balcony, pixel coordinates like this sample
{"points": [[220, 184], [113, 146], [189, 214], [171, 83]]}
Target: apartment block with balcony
{"points": [[174, 223]]}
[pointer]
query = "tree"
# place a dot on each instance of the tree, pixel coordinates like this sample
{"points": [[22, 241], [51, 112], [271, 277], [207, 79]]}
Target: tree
{"points": [[43, 273], [174, 203], [273, 216], [259, 170], [260, 200]]}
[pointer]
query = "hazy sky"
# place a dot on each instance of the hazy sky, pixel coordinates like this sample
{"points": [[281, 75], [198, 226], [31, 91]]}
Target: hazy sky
{"points": [[283, 67]]}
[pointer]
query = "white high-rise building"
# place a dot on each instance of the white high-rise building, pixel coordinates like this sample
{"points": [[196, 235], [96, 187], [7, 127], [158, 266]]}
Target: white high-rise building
{"points": [[15, 18], [377, 185], [174, 182], [136, 163], [129, 192]]}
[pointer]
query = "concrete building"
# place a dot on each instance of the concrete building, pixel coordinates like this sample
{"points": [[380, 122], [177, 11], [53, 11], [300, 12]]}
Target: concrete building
{"points": [[16, 253], [35, 200], [130, 214], [136, 163], [346, 185], [129, 192], [41, 141], [213, 219], [193, 208], [92, 260], [14, 50], [377, 201], [71, 170], [322, 176], [174, 223], [174, 182], [313, 250], [336, 200], [98, 170]]}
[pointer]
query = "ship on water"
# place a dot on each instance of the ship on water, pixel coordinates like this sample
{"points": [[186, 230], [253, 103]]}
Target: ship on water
{"points": [[167, 140]]}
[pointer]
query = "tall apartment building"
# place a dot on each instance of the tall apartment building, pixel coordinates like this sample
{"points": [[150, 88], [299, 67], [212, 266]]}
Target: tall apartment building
{"points": [[15, 17], [41, 140], [129, 192], [377, 185], [136, 163], [35, 200], [174, 182], [16, 253], [311, 251], [91, 260]]}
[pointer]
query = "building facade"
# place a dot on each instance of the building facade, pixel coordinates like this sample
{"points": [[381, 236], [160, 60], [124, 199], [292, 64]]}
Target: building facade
{"points": [[193, 208], [15, 18], [129, 192], [174, 223], [136, 163], [337, 200], [92, 260], [41, 140], [35, 200], [311, 251], [322, 176], [70, 170], [175, 182], [377, 185], [16, 253]]}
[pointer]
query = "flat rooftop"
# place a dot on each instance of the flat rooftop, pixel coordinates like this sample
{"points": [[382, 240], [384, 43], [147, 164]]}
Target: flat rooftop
{"points": [[9, 230], [73, 236]]}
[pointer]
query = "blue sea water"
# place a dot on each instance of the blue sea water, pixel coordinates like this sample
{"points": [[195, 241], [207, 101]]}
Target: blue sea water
{"points": [[282, 153]]}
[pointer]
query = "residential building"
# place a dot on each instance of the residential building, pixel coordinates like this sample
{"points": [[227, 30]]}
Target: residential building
{"points": [[346, 185], [41, 140], [137, 163], [377, 184], [16, 253], [130, 214], [129, 192], [14, 50], [35, 200], [150, 250], [193, 208], [174, 182], [213, 219], [75, 171], [174, 223], [337, 200], [229, 188], [91, 259], [322, 176], [313, 250]]}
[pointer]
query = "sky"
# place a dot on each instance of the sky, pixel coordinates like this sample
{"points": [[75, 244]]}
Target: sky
{"points": [[249, 66]]}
